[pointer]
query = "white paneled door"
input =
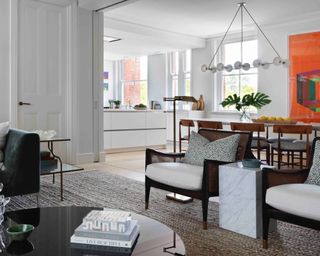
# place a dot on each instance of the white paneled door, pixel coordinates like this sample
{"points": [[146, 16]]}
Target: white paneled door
{"points": [[42, 67]]}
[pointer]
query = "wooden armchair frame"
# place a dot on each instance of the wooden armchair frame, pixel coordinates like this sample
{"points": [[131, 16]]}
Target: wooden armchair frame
{"points": [[271, 178], [210, 179]]}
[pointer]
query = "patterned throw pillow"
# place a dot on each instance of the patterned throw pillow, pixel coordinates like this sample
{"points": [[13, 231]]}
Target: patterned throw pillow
{"points": [[4, 128], [201, 148], [314, 174]]}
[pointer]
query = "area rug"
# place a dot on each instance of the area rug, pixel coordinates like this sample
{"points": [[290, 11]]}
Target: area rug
{"points": [[99, 188]]}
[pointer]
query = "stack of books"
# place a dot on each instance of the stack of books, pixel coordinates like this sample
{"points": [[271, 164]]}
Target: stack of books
{"points": [[101, 229]]}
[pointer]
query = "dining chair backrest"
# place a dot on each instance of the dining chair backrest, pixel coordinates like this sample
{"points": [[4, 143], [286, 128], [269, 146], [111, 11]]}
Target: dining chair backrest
{"points": [[250, 127], [209, 124], [294, 129]]}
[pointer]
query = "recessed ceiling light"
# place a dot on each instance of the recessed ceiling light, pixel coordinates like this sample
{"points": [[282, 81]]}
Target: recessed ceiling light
{"points": [[111, 39]]}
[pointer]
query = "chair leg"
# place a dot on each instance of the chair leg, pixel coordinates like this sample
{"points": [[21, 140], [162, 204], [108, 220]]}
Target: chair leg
{"points": [[205, 202], [272, 156], [265, 232], [147, 193], [279, 158], [268, 155]]}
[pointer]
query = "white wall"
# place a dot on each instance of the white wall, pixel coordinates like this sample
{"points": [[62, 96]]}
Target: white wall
{"points": [[85, 102], [157, 77], [4, 59], [202, 83]]}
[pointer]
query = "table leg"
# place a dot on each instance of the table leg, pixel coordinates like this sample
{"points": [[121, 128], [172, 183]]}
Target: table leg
{"points": [[50, 146]]}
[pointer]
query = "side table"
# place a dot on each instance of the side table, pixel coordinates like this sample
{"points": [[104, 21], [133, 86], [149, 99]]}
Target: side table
{"points": [[240, 200], [61, 166]]}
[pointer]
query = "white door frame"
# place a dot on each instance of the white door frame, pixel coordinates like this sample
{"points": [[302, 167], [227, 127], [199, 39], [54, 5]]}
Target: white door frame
{"points": [[97, 86], [72, 113]]}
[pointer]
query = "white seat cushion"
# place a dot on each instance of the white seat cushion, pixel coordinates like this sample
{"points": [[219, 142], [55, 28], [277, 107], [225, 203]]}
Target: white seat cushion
{"points": [[299, 199], [178, 175]]}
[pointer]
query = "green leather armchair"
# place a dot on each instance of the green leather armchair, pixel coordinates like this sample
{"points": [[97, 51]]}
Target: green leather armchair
{"points": [[22, 163]]}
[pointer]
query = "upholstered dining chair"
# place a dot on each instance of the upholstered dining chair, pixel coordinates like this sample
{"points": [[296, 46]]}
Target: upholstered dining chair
{"points": [[291, 147], [184, 123], [292, 195], [167, 171], [258, 142]]}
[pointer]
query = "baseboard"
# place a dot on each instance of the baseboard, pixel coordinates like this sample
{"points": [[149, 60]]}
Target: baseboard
{"points": [[102, 156], [130, 149], [85, 158]]}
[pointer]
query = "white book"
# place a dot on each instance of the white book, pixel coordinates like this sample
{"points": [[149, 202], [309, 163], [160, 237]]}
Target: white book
{"points": [[104, 242]]}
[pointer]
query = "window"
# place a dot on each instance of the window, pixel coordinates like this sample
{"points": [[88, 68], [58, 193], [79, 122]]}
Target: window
{"points": [[134, 81], [174, 72], [239, 81], [187, 72]]}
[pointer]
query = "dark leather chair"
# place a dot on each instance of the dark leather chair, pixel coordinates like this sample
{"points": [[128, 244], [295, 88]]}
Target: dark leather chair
{"points": [[285, 197], [22, 163], [210, 174]]}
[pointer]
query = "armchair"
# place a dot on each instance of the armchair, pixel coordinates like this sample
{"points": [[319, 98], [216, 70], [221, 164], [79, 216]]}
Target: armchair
{"points": [[286, 197], [22, 163], [167, 172]]}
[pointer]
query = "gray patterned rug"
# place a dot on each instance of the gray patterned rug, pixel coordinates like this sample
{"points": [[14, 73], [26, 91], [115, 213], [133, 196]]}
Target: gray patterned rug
{"points": [[99, 188]]}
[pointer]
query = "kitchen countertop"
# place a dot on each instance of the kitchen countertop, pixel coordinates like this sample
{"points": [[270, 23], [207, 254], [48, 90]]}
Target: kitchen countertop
{"points": [[132, 110]]}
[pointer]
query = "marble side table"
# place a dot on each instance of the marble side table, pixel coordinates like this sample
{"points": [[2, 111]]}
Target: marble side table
{"points": [[240, 200]]}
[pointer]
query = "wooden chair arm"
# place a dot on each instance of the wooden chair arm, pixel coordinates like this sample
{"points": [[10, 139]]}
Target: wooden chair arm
{"points": [[211, 175], [154, 156]]}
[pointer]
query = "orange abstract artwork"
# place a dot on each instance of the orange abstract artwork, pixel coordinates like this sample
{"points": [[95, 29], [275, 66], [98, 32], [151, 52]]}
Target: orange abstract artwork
{"points": [[304, 54]]}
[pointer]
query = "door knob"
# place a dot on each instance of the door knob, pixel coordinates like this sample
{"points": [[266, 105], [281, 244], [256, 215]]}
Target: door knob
{"points": [[24, 103]]}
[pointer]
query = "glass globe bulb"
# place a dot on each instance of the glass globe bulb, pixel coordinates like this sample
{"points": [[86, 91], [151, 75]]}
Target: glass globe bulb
{"points": [[285, 63], [277, 61], [256, 63], [229, 68], [204, 68], [237, 65], [213, 69], [220, 66], [246, 66]]}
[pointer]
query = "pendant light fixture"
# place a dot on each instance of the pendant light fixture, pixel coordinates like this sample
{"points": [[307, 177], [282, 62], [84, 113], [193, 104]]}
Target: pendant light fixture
{"points": [[238, 65]]}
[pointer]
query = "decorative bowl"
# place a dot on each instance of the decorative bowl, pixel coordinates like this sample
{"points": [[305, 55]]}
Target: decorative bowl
{"points": [[251, 163], [20, 231]]}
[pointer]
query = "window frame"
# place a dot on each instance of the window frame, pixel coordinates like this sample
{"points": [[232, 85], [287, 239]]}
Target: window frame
{"points": [[218, 80], [123, 82]]}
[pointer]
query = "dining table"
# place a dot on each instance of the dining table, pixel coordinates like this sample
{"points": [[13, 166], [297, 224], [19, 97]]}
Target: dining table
{"points": [[226, 122]]}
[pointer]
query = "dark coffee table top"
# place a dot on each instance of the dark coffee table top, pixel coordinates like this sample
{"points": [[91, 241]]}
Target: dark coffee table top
{"points": [[55, 225]]}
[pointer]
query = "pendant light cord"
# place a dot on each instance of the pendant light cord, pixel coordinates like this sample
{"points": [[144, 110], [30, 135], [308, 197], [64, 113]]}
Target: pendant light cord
{"points": [[215, 54]]}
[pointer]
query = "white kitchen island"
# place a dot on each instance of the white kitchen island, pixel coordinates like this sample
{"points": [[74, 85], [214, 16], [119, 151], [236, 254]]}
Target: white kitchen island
{"points": [[126, 130]]}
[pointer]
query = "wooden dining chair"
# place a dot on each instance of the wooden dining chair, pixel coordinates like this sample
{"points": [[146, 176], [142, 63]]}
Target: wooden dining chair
{"points": [[184, 123], [258, 142], [215, 125], [291, 147]]}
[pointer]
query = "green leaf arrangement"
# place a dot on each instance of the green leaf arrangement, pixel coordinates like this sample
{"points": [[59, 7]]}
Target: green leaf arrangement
{"points": [[257, 100]]}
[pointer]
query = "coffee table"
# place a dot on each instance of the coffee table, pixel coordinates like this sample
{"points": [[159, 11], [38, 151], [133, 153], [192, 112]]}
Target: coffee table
{"points": [[55, 225]]}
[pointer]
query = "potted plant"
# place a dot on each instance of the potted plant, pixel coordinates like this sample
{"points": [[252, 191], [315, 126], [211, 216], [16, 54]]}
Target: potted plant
{"points": [[257, 100], [117, 103]]}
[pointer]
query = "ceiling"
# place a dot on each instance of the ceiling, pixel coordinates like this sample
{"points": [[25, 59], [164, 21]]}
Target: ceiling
{"points": [[204, 18], [172, 24]]}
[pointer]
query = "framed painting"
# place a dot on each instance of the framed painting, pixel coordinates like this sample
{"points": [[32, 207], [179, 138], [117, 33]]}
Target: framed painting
{"points": [[304, 54]]}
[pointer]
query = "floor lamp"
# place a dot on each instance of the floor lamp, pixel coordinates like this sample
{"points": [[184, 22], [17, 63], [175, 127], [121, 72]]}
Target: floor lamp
{"points": [[174, 196]]}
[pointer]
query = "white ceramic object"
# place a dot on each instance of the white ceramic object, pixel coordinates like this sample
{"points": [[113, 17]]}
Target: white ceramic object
{"points": [[46, 134]]}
